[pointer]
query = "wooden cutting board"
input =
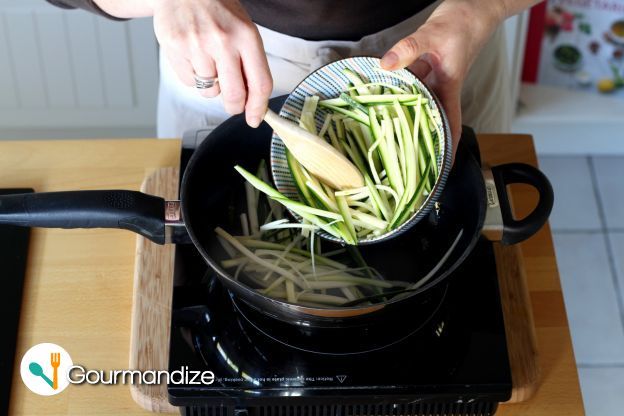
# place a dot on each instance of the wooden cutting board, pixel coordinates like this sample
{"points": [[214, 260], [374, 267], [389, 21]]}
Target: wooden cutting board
{"points": [[151, 302], [151, 310]]}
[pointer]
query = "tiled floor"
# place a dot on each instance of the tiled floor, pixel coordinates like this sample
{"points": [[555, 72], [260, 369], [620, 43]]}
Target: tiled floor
{"points": [[588, 228]]}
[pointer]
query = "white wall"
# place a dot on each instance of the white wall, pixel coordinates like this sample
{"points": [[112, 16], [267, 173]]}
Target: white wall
{"points": [[515, 33], [68, 73]]}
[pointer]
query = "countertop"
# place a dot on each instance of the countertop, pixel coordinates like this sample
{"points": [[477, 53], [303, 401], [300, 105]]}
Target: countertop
{"points": [[78, 289]]}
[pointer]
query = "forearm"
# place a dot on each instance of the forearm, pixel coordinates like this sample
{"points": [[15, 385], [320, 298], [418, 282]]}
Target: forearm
{"points": [[127, 8]]}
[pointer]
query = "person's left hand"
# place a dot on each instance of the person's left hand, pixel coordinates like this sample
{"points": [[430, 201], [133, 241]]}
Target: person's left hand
{"points": [[442, 50]]}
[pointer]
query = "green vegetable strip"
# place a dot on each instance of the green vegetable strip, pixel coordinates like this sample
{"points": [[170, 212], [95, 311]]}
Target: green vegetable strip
{"points": [[358, 197], [379, 137], [353, 191], [371, 162], [369, 219], [391, 191], [269, 289], [326, 124], [252, 208], [328, 191], [354, 152], [385, 98], [297, 173], [344, 210], [368, 141], [393, 88], [333, 138], [413, 203], [299, 207], [410, 158], [320, 194], [390, 160], [358, 115], [428, 140], [334, 102], [381, 204], [401, 150], [373, 100], [356, 81], [415, 130], [408, 117], [340, 129], [353, 129], [367, 206], [306, 120], [353, 103]]}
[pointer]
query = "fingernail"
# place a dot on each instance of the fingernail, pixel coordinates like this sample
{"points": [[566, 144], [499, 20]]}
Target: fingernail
{"points": [[389, 60], [253, 122]]}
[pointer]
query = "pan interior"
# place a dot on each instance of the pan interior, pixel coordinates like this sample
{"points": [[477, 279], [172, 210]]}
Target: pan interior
{"points": [[213, 196]]}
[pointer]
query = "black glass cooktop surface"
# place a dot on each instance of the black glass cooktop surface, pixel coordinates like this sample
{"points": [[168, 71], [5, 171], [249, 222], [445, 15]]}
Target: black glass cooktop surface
{"points": [[459, 349], [444, 348]]}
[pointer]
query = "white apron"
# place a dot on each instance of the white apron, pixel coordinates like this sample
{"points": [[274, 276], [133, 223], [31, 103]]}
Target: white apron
{"points": [[486, 97]]}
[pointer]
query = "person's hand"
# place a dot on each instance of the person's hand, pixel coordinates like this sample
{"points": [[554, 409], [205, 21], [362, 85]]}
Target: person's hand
{"points": [[442, 50], [216, 38]]}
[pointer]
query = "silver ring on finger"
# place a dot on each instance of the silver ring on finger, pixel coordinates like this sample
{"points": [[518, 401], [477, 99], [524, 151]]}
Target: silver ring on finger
{"points": [[203, 83]]}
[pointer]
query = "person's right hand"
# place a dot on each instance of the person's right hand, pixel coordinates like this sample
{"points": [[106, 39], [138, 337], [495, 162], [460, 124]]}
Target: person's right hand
{"points": [[216, 38]]}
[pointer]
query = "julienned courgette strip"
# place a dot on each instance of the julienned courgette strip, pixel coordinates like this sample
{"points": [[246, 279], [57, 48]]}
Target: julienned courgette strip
{"points": [[391, 133]]}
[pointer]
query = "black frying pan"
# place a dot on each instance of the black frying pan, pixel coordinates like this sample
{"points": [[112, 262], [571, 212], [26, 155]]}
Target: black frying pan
{"points": [[212, 191]]}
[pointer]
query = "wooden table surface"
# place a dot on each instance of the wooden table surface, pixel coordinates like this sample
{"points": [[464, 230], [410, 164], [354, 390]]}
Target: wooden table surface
{"points": [[78, 289]]}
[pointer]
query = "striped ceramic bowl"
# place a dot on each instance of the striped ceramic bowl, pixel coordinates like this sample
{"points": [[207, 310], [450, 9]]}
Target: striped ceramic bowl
{"points": [[328, 82]]}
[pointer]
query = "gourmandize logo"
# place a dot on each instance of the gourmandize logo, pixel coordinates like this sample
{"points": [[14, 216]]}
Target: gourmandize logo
{"points": [[44, 369]]}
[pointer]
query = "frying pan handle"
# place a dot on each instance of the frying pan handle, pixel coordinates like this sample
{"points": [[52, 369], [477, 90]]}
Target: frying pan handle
{"points": [[131, 210], [515, 231]]}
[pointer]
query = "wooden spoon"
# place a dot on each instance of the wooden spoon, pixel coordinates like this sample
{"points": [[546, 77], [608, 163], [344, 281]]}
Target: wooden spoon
{"points": [[316, 155]]}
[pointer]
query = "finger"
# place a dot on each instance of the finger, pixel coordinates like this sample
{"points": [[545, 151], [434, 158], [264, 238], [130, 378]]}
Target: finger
{"points": [[181, 66], [231, 82], [406, 51], [259, 83], [204, 66]]}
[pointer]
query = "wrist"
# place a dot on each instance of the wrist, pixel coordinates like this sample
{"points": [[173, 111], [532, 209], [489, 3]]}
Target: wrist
{"points": [[483, 16]]}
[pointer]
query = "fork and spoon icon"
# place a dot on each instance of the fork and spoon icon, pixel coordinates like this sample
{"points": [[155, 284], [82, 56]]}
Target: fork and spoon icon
{"points": [[55, 361]]}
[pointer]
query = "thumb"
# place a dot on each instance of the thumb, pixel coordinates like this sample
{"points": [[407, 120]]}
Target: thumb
{"points": [[405, 52]]}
